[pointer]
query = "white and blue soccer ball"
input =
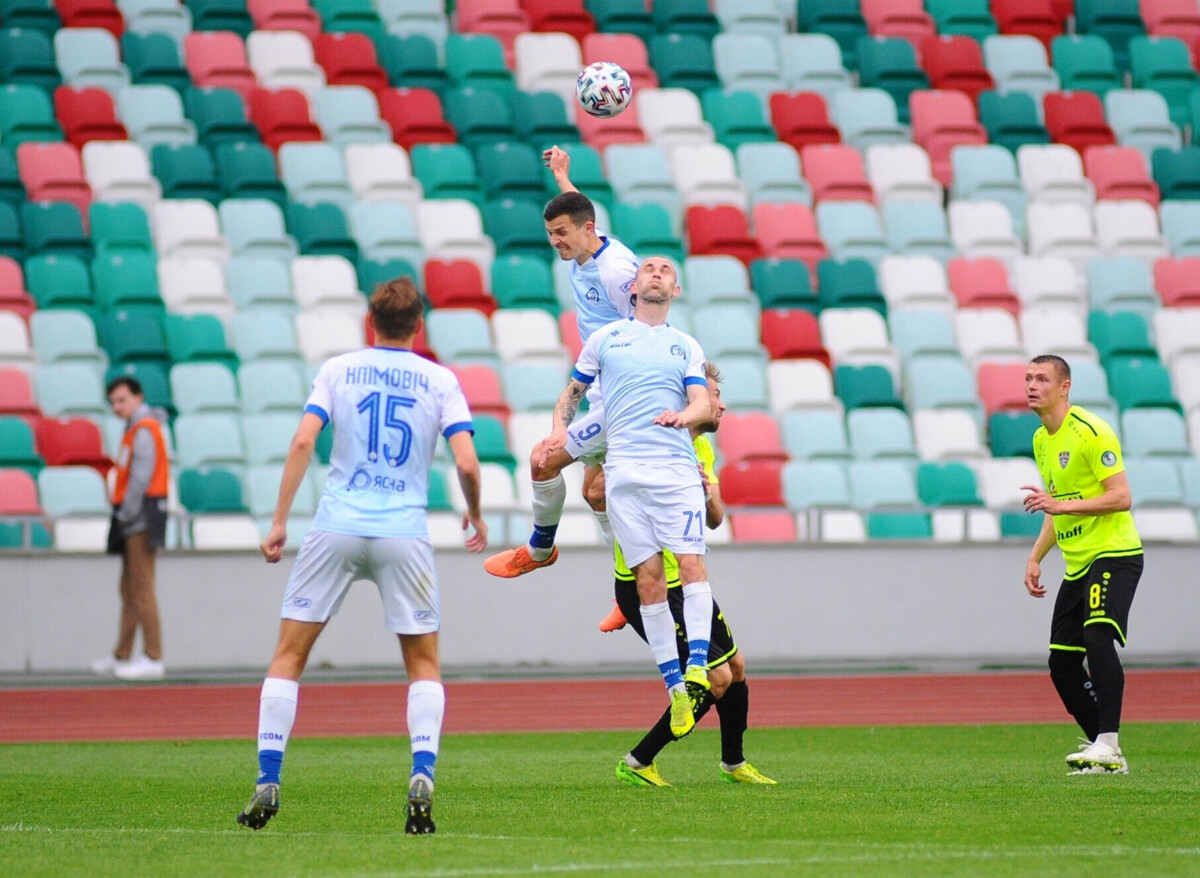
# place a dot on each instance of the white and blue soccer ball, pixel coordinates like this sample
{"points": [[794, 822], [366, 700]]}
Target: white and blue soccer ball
{"points": [[603, 89]]}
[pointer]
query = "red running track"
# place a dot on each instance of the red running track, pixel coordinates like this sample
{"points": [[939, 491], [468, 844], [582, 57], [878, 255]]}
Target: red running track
{"points": [[184, 711]]}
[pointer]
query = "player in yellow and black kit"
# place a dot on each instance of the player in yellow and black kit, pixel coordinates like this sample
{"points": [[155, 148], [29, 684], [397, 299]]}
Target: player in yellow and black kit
{"points": [[726, 668], [1086, 500]]}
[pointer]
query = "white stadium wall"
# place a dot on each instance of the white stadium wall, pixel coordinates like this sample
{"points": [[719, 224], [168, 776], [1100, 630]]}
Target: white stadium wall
{"points": [[788, 607]]}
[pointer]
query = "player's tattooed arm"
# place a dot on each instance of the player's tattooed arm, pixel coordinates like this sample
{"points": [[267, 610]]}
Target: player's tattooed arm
{"points": [[568, 403]]}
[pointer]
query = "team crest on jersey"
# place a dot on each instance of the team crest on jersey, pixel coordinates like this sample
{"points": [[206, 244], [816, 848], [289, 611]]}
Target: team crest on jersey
{"points": [[1108, 458], [678, 351], [1063, 457], [593, 294]]}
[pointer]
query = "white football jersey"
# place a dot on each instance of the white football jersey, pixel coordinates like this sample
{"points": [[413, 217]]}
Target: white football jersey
{"points": [[387, 407], [603, 285]]}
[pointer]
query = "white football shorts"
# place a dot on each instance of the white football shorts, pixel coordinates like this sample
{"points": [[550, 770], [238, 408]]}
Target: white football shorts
{"points": [[655, 505], [402, 570]]}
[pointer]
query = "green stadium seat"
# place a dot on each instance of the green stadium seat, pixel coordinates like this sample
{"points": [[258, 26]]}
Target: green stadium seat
{"points": [[476, 61], [840, 19], [1011, 433], [60, 281], [12, 189], [27, 58], [1011, 119], [849, 283], [1181, 227], [623, 16], [386, 230], [321, 230], [783, 283], [128, 283], [119, 229], [152, 376], [899, 526], [1177, 173], [541, 121], [19, 535], [1140, 382], [207, 490], [524, 282], [890, 64], [737, 118], [447, 170], [684, 61], [340, 16], [186, 171], [31, 15], [227, 15], [970, 18], [865, 386], [198, 338], [411, 61], [372, 272], [646, 228], [1085, 62], [17, 447], [1122, 333], [26, 115], [480, 116], [219, 115], [515, 227], [200, 388], [1020, 524], [153, 59], [247, 170], [12, 242], [1164, 65], [491, 442], [1118, 21], [511, 170], [54, 227], [132, 338], [587, 173], [947, 484], [691, 17]]}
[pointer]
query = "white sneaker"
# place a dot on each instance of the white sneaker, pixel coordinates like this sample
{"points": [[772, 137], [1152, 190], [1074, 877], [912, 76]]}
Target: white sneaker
{"points": [[105, 666], [1098, 758], [141, 667]]}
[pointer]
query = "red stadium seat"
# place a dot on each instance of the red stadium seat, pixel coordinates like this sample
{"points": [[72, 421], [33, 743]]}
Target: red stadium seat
{"points": [[836, 173], [565, 16], [982, 283], [18, 493], [802, 119], [1172, 18], [1120, 172], [295, 15], [793, 334], [16, 394], [87, 114], [1038, 18], [420, 341], [416, 116], [750, 436], [787, 230], [217, 59], [1076, 118], [568, 328], [720, 229], [481, 386], [1178, 281], [942, 120], [956, 63], [898, 18], [456, 283], [91, 13], [763, 527], [282, 116], [625, 49], [1002, 386], [752, 483], [71, 441], [349, 59], [54, 172], [13, 295], [622, 128]]}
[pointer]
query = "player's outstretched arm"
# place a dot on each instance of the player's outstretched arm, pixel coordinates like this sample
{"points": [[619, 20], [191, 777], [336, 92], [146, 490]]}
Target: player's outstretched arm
{"points": [[559, 163], [466, 461], [564, 412], [699, 410], [299, 454]]}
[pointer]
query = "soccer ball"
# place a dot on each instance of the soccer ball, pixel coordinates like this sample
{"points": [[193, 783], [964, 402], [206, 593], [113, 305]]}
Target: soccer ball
{"points": [[603, 89]]}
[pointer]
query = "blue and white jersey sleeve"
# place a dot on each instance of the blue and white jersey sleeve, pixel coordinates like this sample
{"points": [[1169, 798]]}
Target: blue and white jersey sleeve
{"points": [[456, 416], [696, 363], [603, 286], [587, 366], [320, 400]]}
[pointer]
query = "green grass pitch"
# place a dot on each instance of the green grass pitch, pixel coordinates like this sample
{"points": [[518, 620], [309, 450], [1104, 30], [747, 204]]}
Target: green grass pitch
{"points": [[925, 801]]}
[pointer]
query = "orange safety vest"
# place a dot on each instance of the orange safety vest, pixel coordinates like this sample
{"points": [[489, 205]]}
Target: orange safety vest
{"points": [[158, 480]]}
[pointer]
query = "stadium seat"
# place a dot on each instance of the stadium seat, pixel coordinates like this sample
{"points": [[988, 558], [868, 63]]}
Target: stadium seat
{"points": [[18, 450], [802, 119], [721, 229], [852, 230], [916, 281], [1002, 386], [186, 171], [645, 228], [918, 228], [902, 172], [349, 114], [1054, 173], [877, 433], [193, 286], [258, 280], [812, 62], [87, 114], [623, 49], [262, 333], [1019, 63], [1035, 17], [891, 65], [1129, 228], [941, 121], [726, 330], [1085, 63], [793, 334], [1175, 334], [671, 116], [1153, 433], [54, 227], [737, 118], [811, 435], [947, 484], [188, 227], [747, 62], [1062, 229], [1120, 172], [867, 116], [1181, 227], [120, 171], [1140, 382], [848, 283], [217, 59], [220, 117], [782, 283], [955, 62], [1011, 119], [349, 59], [970, 18], [53, 172], [542, 117], [293, 15], [153, 114], [1140, 118], [982, 283], [920, 332], [1121, 284], [752, 483], [1117, 21], [988, 334], [90, 56], [876, 484], [284, 60], [771, 173], [1077, 119]]}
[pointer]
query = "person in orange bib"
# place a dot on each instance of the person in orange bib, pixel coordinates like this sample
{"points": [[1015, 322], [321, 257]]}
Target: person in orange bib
{"points": [[137, 530]]}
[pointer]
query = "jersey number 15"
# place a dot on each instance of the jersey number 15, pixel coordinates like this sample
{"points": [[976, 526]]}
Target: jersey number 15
{"points": [[373, 407]]}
